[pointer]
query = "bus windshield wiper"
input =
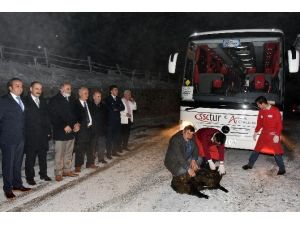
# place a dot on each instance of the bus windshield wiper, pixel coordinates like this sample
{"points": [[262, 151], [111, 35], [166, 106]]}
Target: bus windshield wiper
{"points": [[191, 108]]}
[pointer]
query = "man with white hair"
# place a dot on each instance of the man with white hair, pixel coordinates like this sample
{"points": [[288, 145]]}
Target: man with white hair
{"points": [[83, 137], [127, 118]]}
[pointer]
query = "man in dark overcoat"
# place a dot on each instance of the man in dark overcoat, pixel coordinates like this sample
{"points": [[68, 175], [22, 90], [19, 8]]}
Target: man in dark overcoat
{"points": [[114, 106], [37, 133]]}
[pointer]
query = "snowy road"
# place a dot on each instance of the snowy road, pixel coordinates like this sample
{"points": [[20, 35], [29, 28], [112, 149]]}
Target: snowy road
{"points": [[138, 181]]}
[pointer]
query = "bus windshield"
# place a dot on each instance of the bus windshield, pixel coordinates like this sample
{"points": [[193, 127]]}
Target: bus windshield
{"points": [[235, 69]]}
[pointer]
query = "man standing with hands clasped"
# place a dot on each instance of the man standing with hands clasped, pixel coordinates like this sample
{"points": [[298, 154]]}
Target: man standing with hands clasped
{"points": [[114, 106], [269, 121], [65, 125]]}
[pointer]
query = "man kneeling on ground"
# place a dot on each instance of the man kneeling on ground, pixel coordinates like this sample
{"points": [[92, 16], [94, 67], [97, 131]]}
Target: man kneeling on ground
{"points": [[182, 154]]}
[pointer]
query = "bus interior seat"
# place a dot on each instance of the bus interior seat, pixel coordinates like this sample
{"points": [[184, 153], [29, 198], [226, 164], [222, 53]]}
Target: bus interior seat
{"points": [[218, 86], [206, 80], [259, 81], [217, 83]]}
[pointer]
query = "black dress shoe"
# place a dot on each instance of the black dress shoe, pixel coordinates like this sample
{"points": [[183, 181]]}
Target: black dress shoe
{"points": [[127, 149], [281, 172], [9, 195], [246, 167], [46, 178], [31, 181], [116, 155], [103, 161], [109, 157], [22, 188]]}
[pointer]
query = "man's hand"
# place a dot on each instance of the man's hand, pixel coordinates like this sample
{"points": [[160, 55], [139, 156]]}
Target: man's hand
{"points": [[212, 165], [76, 127], [191, 172], [194, 165], [276, 139], [128, 115], [254, 136], [68, 129], [221, 169]]}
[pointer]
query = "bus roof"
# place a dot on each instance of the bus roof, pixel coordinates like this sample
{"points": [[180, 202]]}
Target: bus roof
{"points": [[237, 31]]}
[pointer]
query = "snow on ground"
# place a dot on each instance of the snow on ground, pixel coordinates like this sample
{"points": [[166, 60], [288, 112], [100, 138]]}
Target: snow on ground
{"points": [[138, 181]]}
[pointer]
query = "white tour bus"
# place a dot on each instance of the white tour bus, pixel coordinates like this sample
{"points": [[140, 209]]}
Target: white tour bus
{"points": [[225, 71]]}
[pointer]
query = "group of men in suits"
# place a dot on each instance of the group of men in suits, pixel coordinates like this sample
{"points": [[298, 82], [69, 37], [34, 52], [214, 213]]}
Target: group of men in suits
{"points": [[86, 128]]}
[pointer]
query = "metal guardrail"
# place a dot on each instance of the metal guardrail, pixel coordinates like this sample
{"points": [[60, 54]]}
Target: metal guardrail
{"points": [[49, 59]]}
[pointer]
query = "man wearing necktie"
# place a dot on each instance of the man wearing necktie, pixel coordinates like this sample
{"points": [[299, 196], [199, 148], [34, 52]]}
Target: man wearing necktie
{"points": [[83, 137], [114, 106], [12, 122], [37, 133]]}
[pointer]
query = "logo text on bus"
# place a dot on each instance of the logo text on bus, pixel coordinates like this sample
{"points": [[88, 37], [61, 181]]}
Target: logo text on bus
{"points": [[207, 117]]}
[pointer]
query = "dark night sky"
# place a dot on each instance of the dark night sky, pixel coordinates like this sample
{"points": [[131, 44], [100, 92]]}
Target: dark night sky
{"points": [[134, 40]]}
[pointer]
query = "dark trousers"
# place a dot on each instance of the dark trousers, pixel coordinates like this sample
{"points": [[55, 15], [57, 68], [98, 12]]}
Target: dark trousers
{"points": [[125, 133], [12, 157], [30, 162], [98, 147], [113, 139], [83, 148], [278, 160]]}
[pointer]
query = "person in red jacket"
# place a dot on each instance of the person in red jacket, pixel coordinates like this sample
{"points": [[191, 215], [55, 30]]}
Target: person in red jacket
{"points": [[211, 145], [270, 122]]}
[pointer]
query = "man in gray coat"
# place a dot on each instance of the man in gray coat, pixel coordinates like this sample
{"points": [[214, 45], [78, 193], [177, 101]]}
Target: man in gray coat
{"points": [[182, 154]]}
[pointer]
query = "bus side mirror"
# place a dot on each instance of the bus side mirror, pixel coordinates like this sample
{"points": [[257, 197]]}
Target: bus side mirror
{"points": [[293, 60], [172, 63]]}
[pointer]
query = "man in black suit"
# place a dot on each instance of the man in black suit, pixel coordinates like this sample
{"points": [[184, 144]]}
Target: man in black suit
{"points": [[12, 137], [98, 111], [114, 106], [37, 133], [65, 126], [83, 137]]}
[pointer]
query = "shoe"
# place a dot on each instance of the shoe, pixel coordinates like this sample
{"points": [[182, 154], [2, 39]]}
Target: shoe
{"points": [[46, 178], [246, 167], [92, 166], [9, 195], [22, 188], [31, 181], [103, 161], [109, 157], [70, 174], [127, 149], [120, 151], [281, 172], [77, 169], [58, 178], [116, 155]]}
